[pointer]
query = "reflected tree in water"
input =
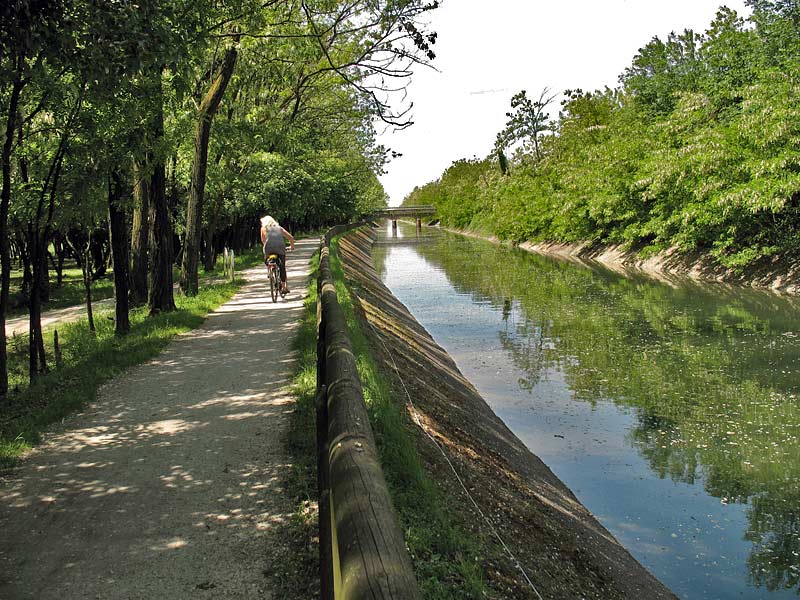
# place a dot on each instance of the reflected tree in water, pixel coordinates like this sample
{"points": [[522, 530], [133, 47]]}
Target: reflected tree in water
{"points": [[711, 375]]}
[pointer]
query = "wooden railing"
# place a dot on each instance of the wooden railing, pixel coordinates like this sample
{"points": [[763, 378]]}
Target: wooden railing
{"points": [[362, 550]]}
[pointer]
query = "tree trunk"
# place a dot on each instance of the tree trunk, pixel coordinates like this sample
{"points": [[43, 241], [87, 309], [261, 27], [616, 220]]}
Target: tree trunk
{"points": [[44, 293], [41, 229], [36, 358], [87, 285], [61, 254], [194, 208], [5, 257], [209, 256], [27, 271], [100, 253], [81, 247], [119, 250], [139, 233], [160, 296], [210, 251]]}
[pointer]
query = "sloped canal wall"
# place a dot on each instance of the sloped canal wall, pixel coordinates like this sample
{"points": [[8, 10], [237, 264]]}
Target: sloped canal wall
{"points": [[509, 497]]}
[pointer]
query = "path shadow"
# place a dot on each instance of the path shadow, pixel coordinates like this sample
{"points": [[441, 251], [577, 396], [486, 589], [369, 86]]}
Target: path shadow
{"points": [[169, 485]]}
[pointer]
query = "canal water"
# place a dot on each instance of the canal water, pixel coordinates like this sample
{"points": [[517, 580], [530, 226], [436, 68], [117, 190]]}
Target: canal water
{"points": [[671, 410]]}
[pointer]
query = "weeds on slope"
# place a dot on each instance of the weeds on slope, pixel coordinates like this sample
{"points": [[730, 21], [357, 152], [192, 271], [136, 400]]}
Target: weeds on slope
{"points": [[446, 559]]}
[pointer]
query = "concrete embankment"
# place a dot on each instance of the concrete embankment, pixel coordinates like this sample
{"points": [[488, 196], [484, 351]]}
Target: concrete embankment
{"points": [[781, 274], [508, 497]]}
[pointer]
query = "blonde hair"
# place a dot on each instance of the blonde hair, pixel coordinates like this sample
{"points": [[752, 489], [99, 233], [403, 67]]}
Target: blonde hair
{"points": [[268, 221]]}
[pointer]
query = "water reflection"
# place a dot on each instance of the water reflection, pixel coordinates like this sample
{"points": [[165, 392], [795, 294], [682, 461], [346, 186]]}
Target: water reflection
{"points": [[671, 410]]}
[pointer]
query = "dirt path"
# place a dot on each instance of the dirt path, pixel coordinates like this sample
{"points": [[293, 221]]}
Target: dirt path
{"points": [[167, 486], [19, 325]]}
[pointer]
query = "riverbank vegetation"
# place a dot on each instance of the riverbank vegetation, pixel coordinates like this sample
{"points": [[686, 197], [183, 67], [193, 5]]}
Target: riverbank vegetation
{"points": [[446, 559], [698, 148], [109, 156]]}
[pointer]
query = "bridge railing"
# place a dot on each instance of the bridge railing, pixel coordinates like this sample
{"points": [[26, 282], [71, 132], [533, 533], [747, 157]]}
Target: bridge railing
{"points": [[362, 550], [404, 212]]}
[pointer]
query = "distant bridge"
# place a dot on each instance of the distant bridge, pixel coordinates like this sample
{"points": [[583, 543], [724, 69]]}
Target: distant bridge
{"points": [[405, 212]]}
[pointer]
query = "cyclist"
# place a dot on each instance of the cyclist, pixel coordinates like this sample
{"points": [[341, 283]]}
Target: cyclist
{"points": [[272, 241]]}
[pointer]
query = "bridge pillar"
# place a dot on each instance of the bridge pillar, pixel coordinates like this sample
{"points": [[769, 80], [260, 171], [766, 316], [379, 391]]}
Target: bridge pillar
{"points": [[419, 224], [394, 227]]}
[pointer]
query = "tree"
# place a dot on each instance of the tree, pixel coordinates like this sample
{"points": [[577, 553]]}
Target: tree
{"points": [[363, 44], [28, 30], [44, 189], [160, 296], [778, 26], [729, 58], [663, 69], [194, 210], [528, 123], [139, 232], [117, 228]]}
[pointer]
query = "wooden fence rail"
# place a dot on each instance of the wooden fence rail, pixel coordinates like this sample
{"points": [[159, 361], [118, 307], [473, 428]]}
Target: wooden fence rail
{"points": [[362, 550]]}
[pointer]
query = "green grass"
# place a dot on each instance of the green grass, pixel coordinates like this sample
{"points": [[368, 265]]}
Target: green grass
{"points": [[290, 579], [70, 293], [447, 561], [251, 258], [89, 361]]}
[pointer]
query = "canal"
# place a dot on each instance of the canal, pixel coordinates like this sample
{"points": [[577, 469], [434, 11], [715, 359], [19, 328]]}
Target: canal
{"points": [[671, 410]]}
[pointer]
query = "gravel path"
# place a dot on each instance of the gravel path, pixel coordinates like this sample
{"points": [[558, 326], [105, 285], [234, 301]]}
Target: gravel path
{"points": [[167, 486], [19, 325]]}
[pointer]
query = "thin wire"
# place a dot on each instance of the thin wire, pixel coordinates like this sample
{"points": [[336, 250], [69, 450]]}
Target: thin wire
{"points": [[418, 421]]}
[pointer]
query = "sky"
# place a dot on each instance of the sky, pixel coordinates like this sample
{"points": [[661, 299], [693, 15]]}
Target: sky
{"points": [[488, 51]]}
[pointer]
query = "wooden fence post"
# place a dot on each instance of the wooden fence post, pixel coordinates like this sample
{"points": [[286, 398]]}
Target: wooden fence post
{"points": [[57, 350]]}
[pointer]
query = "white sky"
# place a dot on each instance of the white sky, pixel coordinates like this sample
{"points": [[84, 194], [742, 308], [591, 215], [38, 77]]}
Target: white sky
{"points": [[488, 51]]}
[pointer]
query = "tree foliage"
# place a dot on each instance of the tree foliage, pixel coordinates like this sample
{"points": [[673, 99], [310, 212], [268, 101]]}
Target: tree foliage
{"points": [[99, 99], [698, 148]]}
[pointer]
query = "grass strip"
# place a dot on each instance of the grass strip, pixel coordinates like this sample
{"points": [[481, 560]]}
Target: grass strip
{"points": [[300, 534], [446, 559], [91, 360]]}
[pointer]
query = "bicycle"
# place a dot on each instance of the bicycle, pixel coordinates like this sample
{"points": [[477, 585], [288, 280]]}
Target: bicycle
{"points": [[274, 272]]}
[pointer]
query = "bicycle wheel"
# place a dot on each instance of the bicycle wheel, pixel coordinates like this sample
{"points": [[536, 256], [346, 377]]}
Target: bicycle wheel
{"points": [[274, 282]]}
